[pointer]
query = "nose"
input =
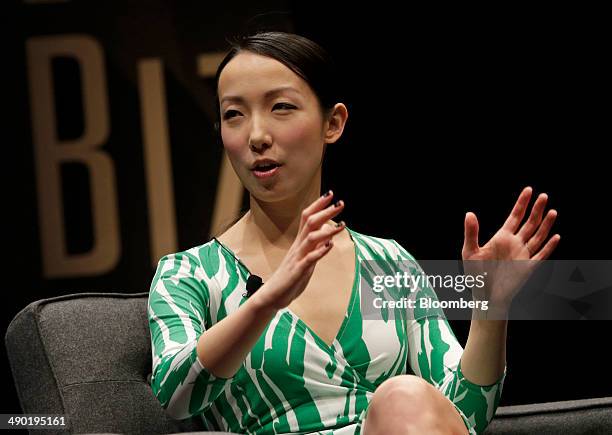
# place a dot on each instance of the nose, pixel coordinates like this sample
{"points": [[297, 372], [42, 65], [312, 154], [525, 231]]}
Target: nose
{"points": [[259, 137]]}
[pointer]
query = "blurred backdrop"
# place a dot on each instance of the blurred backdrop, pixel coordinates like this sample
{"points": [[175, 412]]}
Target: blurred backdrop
{"points": [[114, 161]]}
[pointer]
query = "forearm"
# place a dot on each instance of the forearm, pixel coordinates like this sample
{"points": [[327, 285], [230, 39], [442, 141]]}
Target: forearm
{"points": [[484, 356], [223, 348]]}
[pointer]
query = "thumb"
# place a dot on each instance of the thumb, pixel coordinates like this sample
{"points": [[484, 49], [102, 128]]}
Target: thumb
{"points": [[470, 242]]}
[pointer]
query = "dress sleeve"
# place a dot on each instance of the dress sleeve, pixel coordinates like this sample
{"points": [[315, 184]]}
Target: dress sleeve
{"points": [[178, 312], [435, 355]]}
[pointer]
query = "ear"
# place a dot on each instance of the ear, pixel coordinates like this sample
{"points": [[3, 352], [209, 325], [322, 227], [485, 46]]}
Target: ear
{"points": [[334, 125]]}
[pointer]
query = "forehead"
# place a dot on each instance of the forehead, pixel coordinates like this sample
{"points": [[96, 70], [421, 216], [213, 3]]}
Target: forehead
{"points": [[249, 75]]}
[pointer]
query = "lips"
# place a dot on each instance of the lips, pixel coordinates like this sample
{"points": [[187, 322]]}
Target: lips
{"points": [[266, 167], [265, 171], [264, 164]]}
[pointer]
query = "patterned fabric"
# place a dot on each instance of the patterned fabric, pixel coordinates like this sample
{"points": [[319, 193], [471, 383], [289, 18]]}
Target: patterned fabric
{"points": [[292, 381]]}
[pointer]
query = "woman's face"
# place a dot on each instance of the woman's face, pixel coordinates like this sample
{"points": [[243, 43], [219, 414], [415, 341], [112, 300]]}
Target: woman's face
{"points": [[259, 120]]}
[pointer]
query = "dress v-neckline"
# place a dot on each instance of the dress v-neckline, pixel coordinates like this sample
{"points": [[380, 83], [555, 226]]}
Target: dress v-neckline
{"points": [[347, 312]]}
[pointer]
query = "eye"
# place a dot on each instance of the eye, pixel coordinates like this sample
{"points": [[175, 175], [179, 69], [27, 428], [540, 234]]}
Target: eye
{"points": [[227, 115], [284, 106]]}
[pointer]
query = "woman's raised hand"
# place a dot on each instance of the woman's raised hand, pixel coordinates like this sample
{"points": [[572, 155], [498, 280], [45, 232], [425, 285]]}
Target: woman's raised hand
{"points": [[313, 241], [513, 253]]}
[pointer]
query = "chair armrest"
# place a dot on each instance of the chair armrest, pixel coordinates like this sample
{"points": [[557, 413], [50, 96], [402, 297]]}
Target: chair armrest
{"points": [[586, 416]]}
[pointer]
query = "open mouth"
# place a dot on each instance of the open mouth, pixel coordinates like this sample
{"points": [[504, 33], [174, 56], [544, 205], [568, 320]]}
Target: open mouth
{"points": [[266, 170], [267, 167]]}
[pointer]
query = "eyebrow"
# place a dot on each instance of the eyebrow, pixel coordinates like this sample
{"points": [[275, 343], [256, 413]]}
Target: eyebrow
{"points": [[267, 94]]}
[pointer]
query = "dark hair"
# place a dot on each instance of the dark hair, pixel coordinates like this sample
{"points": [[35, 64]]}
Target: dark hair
{"points": [[303, 56]]}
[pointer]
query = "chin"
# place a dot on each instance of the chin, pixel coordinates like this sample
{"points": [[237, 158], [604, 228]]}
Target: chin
{"points": [[272, 193]]}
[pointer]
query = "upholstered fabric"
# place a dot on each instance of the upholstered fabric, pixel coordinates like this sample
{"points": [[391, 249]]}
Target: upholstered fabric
{"points": [[88, 356]]}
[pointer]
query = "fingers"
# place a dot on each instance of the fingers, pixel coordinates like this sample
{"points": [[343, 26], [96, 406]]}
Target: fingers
{"points": [[322, 235], [548, 248], [315, 221], [470, 241], [535, 218], [518, 212], [316, 254], [317, 217], [315, 237], [317, 244], [542, 233], [319, 204]]}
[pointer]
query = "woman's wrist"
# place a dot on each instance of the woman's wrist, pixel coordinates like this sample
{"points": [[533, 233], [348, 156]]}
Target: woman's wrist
{"points": [[261, 305]]}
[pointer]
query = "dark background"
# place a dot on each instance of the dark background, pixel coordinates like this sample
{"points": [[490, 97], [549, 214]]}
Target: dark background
{"points": [[450, 110]]}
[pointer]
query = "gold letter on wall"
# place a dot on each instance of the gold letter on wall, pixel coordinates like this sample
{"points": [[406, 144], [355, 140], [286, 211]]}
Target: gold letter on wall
{"points": [[50, 153], [158, 164]]}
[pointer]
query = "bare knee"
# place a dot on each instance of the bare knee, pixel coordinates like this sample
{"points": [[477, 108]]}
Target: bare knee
{"points": [[401, 405], [408, 404]]}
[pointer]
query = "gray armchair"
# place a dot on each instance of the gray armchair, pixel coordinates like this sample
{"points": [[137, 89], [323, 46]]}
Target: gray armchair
{"points": [[88, 356]]}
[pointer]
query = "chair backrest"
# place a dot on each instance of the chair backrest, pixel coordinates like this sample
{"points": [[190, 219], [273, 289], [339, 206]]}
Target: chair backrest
{"points": [[88, 356]]}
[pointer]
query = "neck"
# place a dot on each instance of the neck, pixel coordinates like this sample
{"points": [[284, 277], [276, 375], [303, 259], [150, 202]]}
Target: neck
{"points": [[277, 223]]}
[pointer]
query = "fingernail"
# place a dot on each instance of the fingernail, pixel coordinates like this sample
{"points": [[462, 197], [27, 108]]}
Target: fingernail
{"points": [[340, 224], [327, 243], [337, 203], [326, 194]]}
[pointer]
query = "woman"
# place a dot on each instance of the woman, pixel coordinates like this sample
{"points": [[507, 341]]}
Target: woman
{"points": [[297, 356]]}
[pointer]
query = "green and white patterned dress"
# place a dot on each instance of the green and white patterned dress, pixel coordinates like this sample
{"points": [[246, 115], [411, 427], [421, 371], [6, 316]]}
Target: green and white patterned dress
{"points": [[292, 381]]}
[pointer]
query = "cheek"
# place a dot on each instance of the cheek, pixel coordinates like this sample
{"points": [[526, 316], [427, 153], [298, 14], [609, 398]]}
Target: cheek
{"points": [[303, 135], [296, 135], [232, 143]]}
